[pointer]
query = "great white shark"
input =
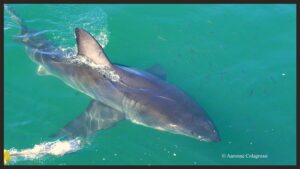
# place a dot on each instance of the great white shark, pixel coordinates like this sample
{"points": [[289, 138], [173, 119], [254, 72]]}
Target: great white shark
{"points": [[118, 92]]}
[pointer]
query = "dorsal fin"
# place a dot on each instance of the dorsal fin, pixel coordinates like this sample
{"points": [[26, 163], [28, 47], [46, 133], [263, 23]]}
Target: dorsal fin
{"points": [[158, 71], [88, 46]]}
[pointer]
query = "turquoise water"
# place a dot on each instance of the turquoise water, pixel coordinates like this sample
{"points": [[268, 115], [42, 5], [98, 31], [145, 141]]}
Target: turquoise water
{"points": [[237, 61]]}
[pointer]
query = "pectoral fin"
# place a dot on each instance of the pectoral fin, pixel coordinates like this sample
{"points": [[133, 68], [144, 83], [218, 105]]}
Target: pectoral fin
{"points": [[96, 117], [42, 71]]}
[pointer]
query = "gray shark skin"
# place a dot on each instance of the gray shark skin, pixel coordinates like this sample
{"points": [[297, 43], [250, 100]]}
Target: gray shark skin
{"points": [[117, 92]]}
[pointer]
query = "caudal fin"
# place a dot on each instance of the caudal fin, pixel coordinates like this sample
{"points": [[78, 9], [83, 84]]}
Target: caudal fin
{"points": [[16, 19]]}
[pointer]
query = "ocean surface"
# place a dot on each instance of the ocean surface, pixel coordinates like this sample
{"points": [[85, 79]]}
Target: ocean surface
{"points": [[237, 61]]}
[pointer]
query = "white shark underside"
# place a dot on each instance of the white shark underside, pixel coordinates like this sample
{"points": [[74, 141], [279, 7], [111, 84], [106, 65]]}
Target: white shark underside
{"points": [[117, 92]]}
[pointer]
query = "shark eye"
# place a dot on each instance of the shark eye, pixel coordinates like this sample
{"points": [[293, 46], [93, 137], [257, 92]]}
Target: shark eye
{"points": [[104, 76]]}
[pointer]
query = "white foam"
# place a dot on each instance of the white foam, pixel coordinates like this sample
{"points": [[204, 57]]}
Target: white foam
{"points": [[102, 37], [55, 148], [103, 70]]}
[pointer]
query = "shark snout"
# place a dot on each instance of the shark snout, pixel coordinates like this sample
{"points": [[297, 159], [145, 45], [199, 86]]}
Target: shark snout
{"points": [[213, 136], [204, 130]]}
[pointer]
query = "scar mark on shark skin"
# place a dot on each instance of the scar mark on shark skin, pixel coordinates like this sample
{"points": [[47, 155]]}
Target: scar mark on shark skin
{"points": [[166, 98]]}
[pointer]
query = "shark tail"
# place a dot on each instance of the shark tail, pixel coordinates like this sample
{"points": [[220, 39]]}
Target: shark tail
{"points": [[18, 20]]}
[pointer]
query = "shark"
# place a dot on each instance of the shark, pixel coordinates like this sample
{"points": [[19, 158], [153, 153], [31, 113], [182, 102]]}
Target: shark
{"points": [[117, 92]]}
